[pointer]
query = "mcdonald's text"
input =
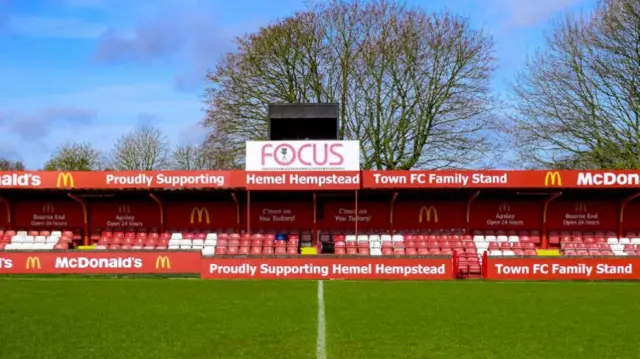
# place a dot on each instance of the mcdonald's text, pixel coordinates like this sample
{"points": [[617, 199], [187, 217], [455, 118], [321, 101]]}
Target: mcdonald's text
{"points": [[100, 262], [20, 180]]}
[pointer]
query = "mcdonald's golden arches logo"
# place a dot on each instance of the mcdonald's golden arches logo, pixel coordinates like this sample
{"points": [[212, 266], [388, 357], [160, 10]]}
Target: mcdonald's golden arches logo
{"points": [[553, 178], [33, 263], [65, 180], [200, 211], [48, 208], [163, 262], [504, 207], [581, 208], [124, 209], [426, 213]]}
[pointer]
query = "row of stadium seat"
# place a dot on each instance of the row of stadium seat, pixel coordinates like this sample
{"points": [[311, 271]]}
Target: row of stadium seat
{"points": [[45, 240]]}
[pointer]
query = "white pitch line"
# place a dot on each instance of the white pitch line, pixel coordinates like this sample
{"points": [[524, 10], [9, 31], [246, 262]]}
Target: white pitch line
{"points": [[321, 343]]}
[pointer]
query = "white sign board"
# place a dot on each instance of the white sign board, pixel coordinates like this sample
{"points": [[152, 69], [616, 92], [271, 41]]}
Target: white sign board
{"points": [[302, 156]]}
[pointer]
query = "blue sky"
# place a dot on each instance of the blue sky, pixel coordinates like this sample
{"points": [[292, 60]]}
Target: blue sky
{"points": [[91, 70]]}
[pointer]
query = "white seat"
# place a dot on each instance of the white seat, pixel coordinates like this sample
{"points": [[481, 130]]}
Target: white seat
{"points": [[198, 247], [56, 233], [174, 242], [27, 239], [198, 242], [362, 238], [490, 238], [482, 245], [508, 253], [186, 242], [502, 239], [52, 239], [374, 238], [208, 251], [174, 247], [210, 242], [620, 253], [28, 245], [17, 239], [624, 241], [478, 238], [350, 238], [49, 246], [617, 247], [397, 238], [10, 247], [185, 247], [514, 239], [612, 240], [495, 253], [213, 236], [21, 233], [635, 240], [373, 245], [40, 239], [375, 252], [176, 236]]}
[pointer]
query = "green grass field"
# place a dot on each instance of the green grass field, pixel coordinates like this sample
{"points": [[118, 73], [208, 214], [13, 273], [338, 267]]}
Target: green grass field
{"points": [[163, 318]]}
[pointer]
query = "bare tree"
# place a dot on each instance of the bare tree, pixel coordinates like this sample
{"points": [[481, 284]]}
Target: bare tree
{"points": [[74, 157], [578, 100], [412, 86], [145, 149], [8, 165]]}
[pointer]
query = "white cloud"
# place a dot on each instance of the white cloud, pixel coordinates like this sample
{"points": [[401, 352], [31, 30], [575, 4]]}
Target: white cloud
{"points": [[50, 27]]}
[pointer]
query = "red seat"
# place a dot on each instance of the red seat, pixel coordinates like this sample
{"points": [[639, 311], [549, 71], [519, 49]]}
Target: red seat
{"points": [[423, 251], [398, 251], [232, 250], [256, 250], [363, 251], [411, 251], [435, 252], [280, 250], [267, 250], [530, 252], [352, 250], [387, 251], [505, 245], [244, 250], [339, 251], [294, 250]]}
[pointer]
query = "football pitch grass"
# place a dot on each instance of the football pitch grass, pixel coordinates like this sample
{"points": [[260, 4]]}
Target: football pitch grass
{"points": [[72, 318]]}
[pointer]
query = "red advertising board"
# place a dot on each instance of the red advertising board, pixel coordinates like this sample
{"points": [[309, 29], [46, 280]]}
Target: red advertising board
{"points": [[122, 179], [500, 179], [303, 180], [583, 215], [562, 268], [429, 215], [200, 215], [99, 262], [124, 214], [508, 215], [280, 215], [342, 215], [328, 268], [48, 214]]}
